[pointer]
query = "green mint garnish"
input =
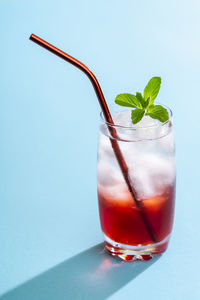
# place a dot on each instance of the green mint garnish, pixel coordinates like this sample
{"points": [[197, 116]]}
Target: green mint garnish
{"points": [[144, 105]]}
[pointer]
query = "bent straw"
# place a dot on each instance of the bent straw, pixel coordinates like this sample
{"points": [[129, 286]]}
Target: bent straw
{"points": [[108, 118]]}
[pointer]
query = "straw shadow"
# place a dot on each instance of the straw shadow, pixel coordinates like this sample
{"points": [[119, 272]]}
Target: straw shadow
{"points": [[92, 274]]}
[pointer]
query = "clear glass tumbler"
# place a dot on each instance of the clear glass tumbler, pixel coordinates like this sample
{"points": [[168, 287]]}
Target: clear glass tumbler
{"points": [[149, 152]]}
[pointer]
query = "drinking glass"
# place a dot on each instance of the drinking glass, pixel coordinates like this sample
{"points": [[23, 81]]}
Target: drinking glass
{"points": [[149, 152]]}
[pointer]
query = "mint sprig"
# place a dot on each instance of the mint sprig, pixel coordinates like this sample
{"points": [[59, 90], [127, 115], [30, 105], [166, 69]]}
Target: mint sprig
{"points": [[144, 104]]}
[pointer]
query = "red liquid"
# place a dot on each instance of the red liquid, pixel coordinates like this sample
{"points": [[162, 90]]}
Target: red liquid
{"points": [[121, 220]]}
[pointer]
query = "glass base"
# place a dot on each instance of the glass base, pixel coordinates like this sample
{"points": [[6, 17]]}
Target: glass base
{"points": [[130, 253]]}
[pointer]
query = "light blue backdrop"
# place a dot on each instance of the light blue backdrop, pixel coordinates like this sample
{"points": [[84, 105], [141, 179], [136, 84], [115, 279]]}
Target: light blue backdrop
{"points": [[48, 142]]}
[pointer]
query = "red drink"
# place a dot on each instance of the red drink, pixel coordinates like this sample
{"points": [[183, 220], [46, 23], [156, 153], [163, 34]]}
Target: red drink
{"points": [[121, 220]]}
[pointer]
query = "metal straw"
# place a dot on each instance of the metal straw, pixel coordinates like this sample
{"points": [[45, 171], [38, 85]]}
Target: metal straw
{"points": [[108, 118]]}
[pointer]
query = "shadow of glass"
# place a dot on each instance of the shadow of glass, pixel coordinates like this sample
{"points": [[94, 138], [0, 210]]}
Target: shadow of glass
{"points": [[92, 274]]}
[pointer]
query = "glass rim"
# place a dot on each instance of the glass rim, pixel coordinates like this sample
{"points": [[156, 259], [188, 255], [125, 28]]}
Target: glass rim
{"points": [[139, 127]]}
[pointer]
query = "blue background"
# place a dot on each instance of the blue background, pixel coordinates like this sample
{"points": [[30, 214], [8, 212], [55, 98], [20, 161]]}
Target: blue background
{"points": [[49, 118]]}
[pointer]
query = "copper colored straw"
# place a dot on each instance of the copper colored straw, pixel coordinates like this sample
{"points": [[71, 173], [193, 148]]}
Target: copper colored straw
{"points": [[108, 118]]}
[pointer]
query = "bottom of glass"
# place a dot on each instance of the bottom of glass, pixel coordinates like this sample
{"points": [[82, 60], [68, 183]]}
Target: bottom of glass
{"points": [[130, 253]]}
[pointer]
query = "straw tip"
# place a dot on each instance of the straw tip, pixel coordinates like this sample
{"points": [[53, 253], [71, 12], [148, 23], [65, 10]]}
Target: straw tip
{"points": [[31, 36]]}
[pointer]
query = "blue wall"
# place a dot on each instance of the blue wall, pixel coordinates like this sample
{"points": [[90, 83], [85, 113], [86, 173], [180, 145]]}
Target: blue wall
{"points": [[49, 118]]}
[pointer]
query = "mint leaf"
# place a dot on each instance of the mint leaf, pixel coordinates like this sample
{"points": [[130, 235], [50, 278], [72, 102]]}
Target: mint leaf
{"points": [[152, 88], [128, 100], [137, 114], [158, 112]]}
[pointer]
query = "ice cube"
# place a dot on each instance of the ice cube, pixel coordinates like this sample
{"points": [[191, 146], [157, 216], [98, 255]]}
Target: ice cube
{"points": [[108, 175], [123, 118], [151, 174], [110, 181]]}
